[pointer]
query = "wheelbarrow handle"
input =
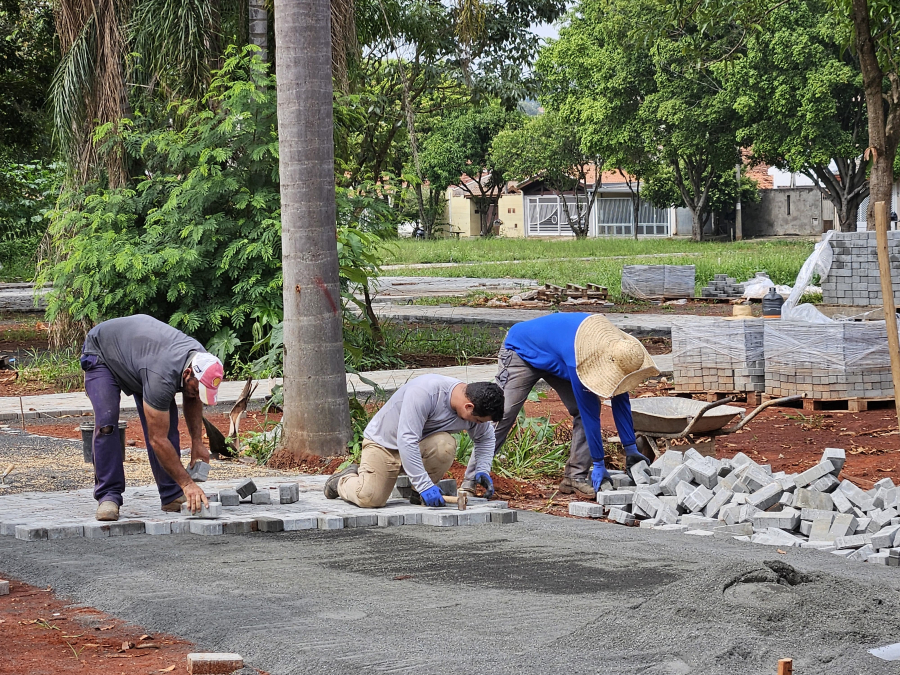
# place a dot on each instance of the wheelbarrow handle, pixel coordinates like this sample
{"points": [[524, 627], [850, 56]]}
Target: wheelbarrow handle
{"points": [[705, 409], [774, 401]]}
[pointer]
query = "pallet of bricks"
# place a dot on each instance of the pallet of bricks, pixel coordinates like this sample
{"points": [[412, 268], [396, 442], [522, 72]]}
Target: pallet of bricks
{"points": [[841, 361], [854, 278], [716, 357]]}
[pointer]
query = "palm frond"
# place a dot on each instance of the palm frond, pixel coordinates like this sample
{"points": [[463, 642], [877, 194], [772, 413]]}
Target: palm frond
{"points": [[177, 40], [70, 88]]}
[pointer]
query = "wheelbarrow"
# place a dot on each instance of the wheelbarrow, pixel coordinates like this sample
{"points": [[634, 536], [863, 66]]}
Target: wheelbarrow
{"points": [[661, 418]]}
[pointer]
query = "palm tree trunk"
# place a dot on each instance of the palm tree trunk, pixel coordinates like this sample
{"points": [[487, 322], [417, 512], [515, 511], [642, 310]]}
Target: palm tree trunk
{"points": [[316, 414], [259, 28]]}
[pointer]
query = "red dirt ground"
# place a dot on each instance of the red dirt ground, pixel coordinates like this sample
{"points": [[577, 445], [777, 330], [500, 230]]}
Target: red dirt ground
{"points": [[42, 634]]}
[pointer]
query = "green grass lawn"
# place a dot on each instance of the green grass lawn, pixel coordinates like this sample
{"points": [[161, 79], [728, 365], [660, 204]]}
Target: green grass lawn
{"points": [[544, 260]]}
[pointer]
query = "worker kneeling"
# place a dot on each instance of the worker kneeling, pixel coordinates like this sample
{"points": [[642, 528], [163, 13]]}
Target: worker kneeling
{"points": [[411, 432]]}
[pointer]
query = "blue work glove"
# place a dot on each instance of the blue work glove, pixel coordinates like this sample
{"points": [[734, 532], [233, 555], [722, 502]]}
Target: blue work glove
{"points": [[433, 496], [632, 457], [484, 480], [598, 475]]}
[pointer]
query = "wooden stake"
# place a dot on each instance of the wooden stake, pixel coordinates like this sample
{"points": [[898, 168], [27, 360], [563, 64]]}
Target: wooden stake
{"points": [[785, 666], [887, 293]]}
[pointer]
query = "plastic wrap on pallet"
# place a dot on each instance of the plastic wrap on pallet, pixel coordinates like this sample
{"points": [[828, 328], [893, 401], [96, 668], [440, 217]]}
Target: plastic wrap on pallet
{"points": [[836, 360], [645, 282], [721, 355], [854, 277]]}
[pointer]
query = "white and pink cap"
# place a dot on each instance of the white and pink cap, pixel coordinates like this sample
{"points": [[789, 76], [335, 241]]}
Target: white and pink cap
{"points": [[209, 373]]}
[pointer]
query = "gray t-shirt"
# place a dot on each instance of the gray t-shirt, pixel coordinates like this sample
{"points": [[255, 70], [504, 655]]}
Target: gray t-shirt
{"points": [[147, 357], [419, 408]]}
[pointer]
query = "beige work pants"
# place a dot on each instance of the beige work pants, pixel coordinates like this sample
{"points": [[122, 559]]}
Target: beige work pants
{"points": [[379, 468]]}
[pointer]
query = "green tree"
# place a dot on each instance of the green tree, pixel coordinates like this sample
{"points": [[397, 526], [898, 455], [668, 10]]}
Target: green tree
{"points": [[27, 60], [801, 98], [461, 145], [871, 28], [600, 76], [549, 149]]}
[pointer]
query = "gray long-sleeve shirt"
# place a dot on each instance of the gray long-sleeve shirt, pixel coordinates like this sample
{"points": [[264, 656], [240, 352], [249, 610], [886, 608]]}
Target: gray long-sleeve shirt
{"points": [[419, 408]]}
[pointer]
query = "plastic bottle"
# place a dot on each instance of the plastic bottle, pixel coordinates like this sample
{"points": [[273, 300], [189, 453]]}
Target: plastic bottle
{"points": [[771, 304]]}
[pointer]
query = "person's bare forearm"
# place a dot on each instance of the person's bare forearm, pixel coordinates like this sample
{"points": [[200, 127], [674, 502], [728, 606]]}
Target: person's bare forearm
{"points": [[171, 462]]}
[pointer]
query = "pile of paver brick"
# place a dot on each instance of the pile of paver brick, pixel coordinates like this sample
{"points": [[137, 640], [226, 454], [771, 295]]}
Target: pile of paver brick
{"points": [[719, 356], [838, 360], [658, 281], [275, 505], [853, 278], [739, 498], [723, 286]]}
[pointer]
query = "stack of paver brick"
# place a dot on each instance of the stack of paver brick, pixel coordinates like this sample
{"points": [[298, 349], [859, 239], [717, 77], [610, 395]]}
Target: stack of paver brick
{"points": [[739, 498], [719, 356], [658, 281], [854, 278], [827, 361], [723, 286]]}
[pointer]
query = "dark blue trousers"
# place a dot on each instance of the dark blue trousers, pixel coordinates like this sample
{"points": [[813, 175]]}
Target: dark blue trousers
{"points": [[109, 468]]}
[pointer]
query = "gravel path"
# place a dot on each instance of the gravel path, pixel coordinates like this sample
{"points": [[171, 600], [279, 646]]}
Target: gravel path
{"points": [[45, 464]]}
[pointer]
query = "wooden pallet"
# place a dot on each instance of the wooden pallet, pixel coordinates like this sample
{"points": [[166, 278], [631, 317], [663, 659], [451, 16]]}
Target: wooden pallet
{"points": [[753, 398], [848, 404], [553, 293]]}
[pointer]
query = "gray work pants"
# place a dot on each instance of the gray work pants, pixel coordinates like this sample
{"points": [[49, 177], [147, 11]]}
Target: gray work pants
{"points": [[517, 379]]}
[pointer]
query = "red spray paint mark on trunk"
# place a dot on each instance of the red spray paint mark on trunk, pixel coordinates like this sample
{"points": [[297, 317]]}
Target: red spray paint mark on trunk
{"points": [[324, 289]]}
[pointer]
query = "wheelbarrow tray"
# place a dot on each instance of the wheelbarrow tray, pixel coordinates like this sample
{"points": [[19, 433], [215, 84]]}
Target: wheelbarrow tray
{"points": [[671, 415]]}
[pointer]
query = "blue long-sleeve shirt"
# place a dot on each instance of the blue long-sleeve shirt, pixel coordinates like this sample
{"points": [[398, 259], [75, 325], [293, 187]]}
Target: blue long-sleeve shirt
{"points": [[548, 343]]}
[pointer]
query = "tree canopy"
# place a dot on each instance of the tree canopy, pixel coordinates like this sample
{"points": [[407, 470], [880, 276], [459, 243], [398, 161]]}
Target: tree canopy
{"points": [[549, 149], [645, 98]]}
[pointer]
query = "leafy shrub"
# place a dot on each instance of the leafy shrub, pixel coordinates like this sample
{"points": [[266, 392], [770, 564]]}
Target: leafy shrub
{"points": [[27, 192], [195, 240]]}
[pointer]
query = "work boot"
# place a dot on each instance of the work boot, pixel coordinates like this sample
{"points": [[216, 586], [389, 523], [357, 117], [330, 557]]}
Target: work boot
{"points": [[467, 486], [174, 506], [580, 487], [332, 483], [108, 511]]}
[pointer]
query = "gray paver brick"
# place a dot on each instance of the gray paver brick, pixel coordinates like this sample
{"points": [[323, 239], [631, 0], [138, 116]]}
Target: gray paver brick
{"points": [[157, 527], [585, 510], [269, 524], [412, 518], [31, 532], [229, 497], [504, 516], [65, 531], [474, 517], [238, 526], [361, 520], [288, 493], [300, 521], [261, 497], [440, 518], [205, 527], [96, 530], [331, 522], [245, 488], [4, 587]]}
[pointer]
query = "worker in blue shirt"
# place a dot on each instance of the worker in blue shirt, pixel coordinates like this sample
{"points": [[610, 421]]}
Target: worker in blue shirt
{"points": [[583, 357]]}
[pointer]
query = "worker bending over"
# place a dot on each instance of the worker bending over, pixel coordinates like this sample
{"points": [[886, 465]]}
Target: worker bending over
{"points": [[582, 357], [411, 432], [152, 361]]}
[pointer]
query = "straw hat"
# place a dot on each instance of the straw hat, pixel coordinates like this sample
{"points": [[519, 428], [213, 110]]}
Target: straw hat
{"points": [[609, 361]]}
